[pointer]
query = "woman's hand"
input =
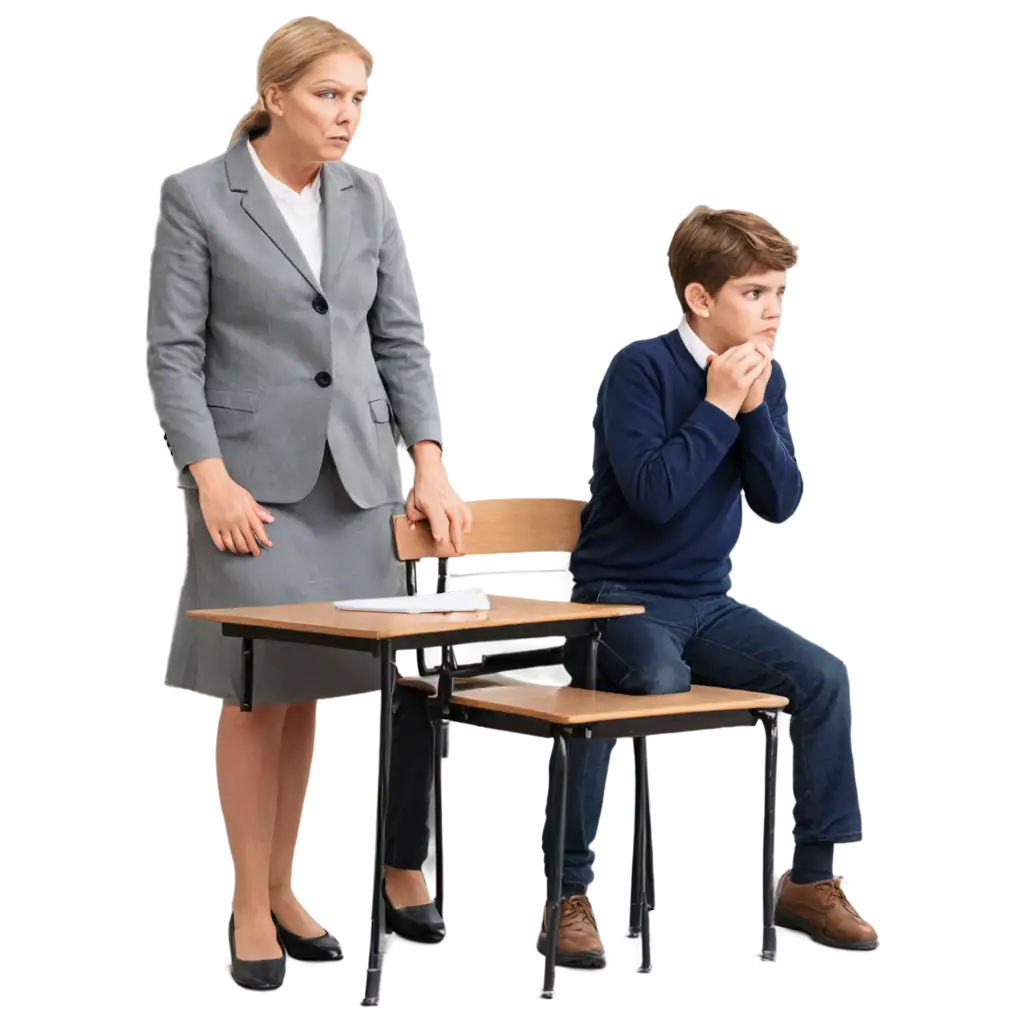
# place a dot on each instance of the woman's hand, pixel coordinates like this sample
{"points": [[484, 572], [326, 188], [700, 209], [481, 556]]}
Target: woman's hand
{"points": [[432, 498], [233, 517]]}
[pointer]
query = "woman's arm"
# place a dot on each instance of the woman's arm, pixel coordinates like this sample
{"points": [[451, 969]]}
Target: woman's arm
{"points": [[179, 297], [396, 332], [404, 365]]}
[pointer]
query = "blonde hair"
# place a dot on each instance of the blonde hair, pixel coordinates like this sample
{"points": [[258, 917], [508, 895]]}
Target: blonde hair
{"points": [[285, 58], [712, 246]]}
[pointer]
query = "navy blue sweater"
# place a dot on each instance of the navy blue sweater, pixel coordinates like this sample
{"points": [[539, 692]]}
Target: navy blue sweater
{"points": [[669, 467]]}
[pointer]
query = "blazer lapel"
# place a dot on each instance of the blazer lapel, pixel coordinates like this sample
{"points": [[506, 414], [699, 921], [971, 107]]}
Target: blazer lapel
{"points": [[338, 200], [257, 203]]}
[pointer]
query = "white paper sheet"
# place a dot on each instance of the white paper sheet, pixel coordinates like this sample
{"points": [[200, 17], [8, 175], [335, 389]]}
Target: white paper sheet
{"points": [[474, 600]]}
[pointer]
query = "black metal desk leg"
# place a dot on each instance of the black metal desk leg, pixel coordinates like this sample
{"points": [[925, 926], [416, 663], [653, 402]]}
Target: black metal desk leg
{"points": [[645, 920], [387, 689], [246, 674], [554, 908], [771, 728], [445, 682], [438, 835], [634, 892], [592, 649]]}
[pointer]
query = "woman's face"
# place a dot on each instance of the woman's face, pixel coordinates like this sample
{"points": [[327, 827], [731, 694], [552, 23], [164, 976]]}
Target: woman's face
{"points": [[321, 111]]}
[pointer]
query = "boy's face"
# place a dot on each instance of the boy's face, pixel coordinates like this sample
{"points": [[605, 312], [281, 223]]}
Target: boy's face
{"points": [[747, 308]]}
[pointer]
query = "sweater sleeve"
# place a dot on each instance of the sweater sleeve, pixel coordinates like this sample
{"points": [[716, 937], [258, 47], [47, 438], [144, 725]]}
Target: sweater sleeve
{"points": [[659, 474], [771, 478]]}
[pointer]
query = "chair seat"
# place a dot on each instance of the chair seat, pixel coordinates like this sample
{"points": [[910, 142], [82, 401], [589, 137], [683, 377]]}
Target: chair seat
{"points": [[570, 705]]}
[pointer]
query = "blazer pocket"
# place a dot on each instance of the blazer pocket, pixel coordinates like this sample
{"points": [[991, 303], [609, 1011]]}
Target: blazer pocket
{"points": [[233, 414], [380, 410], [384, 426], [242, 401]]}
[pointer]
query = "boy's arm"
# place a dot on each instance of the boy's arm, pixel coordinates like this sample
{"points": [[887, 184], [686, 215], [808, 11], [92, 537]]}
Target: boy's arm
{"points": [[658, 474], [771, 478]]}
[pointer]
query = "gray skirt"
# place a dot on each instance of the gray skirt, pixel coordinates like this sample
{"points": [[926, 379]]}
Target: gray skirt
{"points": [[326, 548]]}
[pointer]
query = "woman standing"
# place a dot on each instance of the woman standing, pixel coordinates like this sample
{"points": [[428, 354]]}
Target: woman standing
{"points": [[285, 355]]}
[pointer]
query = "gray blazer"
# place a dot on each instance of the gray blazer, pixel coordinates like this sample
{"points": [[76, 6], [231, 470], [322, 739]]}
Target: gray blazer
{"points": [[250, 361]]}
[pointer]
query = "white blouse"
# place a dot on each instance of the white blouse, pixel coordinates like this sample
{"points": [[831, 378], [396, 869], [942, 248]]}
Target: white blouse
{"points": [[301, 212]]}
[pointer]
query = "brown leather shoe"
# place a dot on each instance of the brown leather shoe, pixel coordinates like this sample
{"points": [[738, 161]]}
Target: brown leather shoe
{"points": [[578, 943], [822, 910]]}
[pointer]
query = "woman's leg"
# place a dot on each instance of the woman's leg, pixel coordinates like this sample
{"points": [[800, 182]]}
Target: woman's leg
{"points": [[248, 749], [293, 775], [263, 763]]}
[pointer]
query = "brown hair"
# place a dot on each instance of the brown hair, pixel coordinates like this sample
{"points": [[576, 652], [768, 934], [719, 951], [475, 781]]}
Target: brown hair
{"points": [[712, 246], [285, 58]]}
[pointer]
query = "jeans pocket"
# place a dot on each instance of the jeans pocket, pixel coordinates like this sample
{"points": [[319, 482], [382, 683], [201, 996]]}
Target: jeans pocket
{"points": [[599, 593], [620, 593]]}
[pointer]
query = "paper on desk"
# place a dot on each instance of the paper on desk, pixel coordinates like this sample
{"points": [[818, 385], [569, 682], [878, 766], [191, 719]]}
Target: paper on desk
{"points": [[474, 600]]}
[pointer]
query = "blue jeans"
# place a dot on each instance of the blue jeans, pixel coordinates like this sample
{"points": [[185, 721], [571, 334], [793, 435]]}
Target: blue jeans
{"points": [[714, 641]]}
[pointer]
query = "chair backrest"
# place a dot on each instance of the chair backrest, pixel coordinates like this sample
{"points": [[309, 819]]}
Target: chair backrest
{"points": [[502, 526]]}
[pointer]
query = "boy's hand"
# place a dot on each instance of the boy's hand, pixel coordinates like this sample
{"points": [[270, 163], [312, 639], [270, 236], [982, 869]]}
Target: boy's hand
{"points": [[755, 396], [732, 374]]}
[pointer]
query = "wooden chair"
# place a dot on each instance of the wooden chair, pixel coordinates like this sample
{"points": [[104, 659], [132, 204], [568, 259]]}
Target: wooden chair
{"points": [[482, 694]]}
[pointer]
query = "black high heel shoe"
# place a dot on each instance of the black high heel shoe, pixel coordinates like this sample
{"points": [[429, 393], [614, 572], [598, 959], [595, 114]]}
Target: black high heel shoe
{"points": [[417, 924], [261, 975], [320, 947]]}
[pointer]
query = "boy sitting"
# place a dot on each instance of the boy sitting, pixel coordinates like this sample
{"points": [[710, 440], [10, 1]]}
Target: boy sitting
{"points": [[684, 424]]}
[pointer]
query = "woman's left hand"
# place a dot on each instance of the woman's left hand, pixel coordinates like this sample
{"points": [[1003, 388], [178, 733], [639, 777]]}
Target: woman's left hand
{"points": [[433, 498]]}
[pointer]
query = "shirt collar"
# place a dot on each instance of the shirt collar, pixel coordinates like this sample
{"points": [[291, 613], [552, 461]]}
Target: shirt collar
{"points": [[278, 189], [694, 345]]}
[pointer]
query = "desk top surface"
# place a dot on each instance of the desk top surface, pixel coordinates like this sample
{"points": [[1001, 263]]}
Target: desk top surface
{"points": [[322, 617]]}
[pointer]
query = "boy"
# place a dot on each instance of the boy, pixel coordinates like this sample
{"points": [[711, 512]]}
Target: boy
{"points": [[684, 423]]}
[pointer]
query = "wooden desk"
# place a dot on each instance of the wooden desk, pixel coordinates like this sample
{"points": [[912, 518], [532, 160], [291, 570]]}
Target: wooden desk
{"points": [[382, 634]]}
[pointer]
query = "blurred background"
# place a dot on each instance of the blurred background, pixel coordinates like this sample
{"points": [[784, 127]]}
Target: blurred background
{"points": [[539, 156]]}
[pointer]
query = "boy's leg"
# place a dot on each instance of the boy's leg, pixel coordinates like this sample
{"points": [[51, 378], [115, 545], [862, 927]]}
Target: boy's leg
{"points": [[736, 646], [637, 655]]}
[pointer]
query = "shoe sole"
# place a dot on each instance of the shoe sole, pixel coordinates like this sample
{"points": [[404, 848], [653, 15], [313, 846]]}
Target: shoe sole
{"points": [[256, 988], [798, 924], [313, 958], [582, 962], [423, 938]]}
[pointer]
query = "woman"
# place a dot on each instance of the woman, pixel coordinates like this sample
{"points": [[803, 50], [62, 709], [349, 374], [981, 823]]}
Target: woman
{"points": [[285, 355]]}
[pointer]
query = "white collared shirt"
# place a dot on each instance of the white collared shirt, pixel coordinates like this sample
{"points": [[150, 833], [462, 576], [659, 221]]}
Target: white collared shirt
{"points": [[301, 212], [694, 345]]}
